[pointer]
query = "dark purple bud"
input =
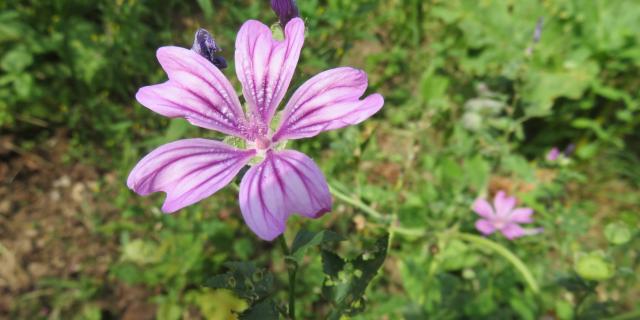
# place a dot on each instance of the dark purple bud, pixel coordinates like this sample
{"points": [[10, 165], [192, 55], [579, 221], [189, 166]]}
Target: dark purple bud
{"points": [[285, 10], [537, 33], [206, 46], [569, 149]]}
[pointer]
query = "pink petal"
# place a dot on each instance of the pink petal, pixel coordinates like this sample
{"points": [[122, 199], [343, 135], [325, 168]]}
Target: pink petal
{"points": [[265, 66], [187, 170], [483, 208], [330, 100], [485, 227], [521, 215], [286, 182], [512, 231], [553, 154], [503, 204], [196, 91]]}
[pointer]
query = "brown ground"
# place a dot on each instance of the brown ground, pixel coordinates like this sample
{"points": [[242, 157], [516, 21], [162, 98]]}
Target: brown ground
{"points": [[49, 213]]}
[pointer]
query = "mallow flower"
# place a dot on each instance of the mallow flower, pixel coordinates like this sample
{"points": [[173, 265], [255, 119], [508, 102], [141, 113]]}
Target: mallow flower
{"points": [[503, 217], [279, 182], [553, 154]]}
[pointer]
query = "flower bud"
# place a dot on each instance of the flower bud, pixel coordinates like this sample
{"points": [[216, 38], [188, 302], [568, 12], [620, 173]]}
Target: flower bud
{"points": [[206, 46], [285, 10]]}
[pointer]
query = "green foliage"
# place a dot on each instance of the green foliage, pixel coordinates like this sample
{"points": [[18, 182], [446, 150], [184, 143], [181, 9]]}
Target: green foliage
{"points": [[472, 105], [347, 280], [245, 280], [617, 233], [251, 284], [306, 239], [594, 266]]}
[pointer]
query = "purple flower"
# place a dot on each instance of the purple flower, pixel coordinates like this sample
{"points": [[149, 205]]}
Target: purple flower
{"points": [[537, 33], [282, 182], [503, 217], [553, 154], [568, 151], [285, 10]]}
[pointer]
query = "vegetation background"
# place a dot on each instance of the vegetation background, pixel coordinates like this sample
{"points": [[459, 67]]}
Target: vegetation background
{"points": [[473, 104]]}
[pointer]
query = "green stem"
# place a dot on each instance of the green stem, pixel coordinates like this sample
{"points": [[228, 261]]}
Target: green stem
{"points": [[357, 203], [635, 314], [292, 270], [415, 232], [505, 253]]}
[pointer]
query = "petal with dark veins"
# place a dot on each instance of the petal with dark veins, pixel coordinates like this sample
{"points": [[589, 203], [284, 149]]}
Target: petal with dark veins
{"points": [[187, 170], [285, 183]]}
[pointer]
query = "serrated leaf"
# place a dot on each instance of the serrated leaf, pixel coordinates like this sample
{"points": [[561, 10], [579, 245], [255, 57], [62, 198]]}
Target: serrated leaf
{"points": [[348, 280], [245, 280], [263, 310], [306, 239], [331, 263]]}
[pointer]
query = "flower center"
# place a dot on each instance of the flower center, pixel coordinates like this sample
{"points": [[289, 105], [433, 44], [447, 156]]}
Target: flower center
{"points": [[501, 222], [262, 143]]}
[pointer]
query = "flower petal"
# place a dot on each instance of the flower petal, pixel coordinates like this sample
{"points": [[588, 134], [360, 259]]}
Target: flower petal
{"points": [[485, 227], [265, 66], [522, 215], [187, 170], [196, 91], [503, 204], [512, 231], [286, 182], [483, 208], [330, 100]]}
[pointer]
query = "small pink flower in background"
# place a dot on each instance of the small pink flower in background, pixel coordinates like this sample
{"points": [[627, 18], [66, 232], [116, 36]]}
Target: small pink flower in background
{"points": [[503, 217], [553, 154], [282, 182]]}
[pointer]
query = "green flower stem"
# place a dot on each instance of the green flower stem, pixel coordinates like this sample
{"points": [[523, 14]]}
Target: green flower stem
{"points": [[635, 314], [292, 270], [415, 232], [357, 203], [505, 253]]}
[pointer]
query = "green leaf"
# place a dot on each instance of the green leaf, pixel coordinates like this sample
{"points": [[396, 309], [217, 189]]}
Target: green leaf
{"points": [[10, 26], [457, 255], [331, 263], [215, 303], [477, 171], [594, 266], [617, 233], [245, 280], [524, 310], [347, 281], [542, 88], [306, 239], [140, 252], [17, 59], [264, 310], [564, 310]]}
